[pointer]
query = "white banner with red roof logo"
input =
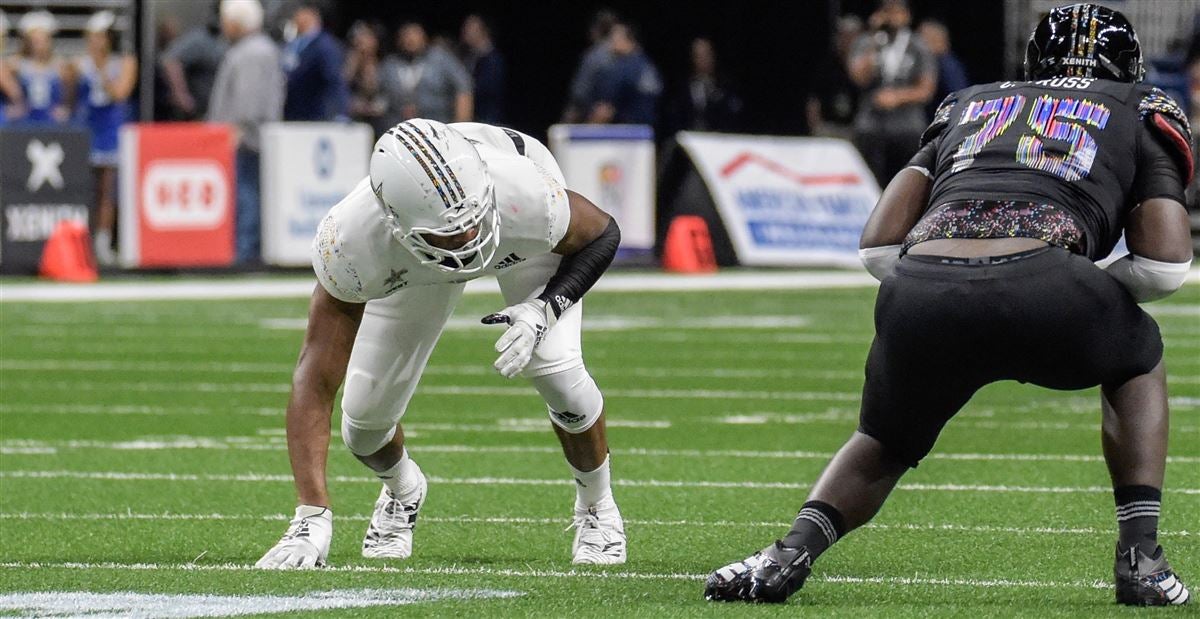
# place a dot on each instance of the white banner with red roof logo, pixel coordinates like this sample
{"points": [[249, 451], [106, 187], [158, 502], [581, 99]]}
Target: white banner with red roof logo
{"points": [[786, 201]]}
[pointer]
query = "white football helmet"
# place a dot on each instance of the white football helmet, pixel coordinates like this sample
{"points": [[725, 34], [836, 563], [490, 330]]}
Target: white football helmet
{"points": [[430, 180]]}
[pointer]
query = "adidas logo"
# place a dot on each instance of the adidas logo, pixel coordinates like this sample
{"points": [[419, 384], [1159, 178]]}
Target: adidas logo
{"points": [[567, 417], [509, 261]]}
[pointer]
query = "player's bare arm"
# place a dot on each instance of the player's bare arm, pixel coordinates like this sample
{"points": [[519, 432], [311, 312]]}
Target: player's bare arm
{"points": [[899, 208], [1157, 232], [332, 325]]}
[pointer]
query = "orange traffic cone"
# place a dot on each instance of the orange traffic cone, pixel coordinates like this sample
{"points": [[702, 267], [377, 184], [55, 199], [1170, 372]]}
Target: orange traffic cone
{"points": [[688, 247], [67, 256]]}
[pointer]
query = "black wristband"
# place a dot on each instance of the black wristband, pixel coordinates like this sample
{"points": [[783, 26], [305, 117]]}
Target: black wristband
{"points": [[578, 272]]}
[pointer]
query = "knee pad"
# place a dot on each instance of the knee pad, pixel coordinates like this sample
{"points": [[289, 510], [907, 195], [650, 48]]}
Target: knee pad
{"points": [[364, 442], [572, 397]]}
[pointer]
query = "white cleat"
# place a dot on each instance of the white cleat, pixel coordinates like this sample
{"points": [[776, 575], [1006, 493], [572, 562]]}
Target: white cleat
{"points": [[390, 534], [599, 535]]}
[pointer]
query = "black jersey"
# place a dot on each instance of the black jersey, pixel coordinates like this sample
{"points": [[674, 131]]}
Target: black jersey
{"points": [[1080, 145]]}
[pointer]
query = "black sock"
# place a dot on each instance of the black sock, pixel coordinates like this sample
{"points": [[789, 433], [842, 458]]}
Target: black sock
{"points": [[817, 527], [1137, 516]]}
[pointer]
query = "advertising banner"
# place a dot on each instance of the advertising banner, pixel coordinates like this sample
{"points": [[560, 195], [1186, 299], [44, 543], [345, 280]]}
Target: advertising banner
{"points": [[177, 195], [786, 201], [306, 169], [45, 178], [612, 165]]}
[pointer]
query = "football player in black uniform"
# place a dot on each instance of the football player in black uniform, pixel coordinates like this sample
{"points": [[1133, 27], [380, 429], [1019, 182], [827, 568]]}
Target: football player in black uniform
{"points": [[985, 246]]}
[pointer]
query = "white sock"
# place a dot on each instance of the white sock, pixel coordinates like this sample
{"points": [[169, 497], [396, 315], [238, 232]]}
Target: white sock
{"points": [[591, 487], [403, 478]]}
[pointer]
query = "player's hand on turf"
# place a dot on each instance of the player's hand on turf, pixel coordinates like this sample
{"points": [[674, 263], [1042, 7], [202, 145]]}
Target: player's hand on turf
{"points": [[528, 323], [306, 543]]}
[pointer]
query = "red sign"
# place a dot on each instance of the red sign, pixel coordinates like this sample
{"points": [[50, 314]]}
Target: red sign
{"points": [[180, 201]]}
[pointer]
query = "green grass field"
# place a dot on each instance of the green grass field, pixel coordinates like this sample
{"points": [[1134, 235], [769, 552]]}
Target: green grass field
{"points": [[142, 450]]}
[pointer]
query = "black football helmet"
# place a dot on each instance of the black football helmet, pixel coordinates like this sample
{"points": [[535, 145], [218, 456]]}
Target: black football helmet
{"points": [[1084, 40]]}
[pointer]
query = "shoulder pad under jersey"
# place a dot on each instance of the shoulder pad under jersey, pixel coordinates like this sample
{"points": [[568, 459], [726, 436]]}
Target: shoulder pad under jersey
{"points": [[1164, 117], [941, 119]]}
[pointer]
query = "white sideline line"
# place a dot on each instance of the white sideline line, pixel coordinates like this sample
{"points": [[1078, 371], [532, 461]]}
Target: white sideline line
{"points": [[276, 288], [31, 446], [484, 571], [512, 481], [272, 288], [280, 517]]}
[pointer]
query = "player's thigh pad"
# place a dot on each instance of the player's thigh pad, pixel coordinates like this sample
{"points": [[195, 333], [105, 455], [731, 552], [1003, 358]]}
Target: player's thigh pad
{"points": [[572, 397], [560, 349], [393, 344]]}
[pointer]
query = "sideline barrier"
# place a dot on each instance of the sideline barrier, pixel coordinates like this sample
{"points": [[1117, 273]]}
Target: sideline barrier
{"points": [[177, 195], [786, 201], [306, 169], [45, 179], [612, 165]]}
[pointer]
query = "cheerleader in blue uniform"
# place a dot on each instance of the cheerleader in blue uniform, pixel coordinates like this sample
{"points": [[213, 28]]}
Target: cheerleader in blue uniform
{"points": [[10, 89], [105, 79], [39, 72]]}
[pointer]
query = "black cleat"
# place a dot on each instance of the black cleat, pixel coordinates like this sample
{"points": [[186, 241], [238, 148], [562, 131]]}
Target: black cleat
{"points": [[1146, 581], [770, 575]]}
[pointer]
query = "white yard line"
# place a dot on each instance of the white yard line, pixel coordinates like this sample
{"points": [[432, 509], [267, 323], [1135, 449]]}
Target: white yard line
{"points": [[276, 288], [512, 481], [117, 365], [281, 517], [529, 573], [276, 443]]}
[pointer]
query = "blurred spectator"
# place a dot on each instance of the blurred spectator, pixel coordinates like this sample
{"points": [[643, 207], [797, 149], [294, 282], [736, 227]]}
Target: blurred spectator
{"points": [[896, 76], [313, 63], [190, 64], [10, 89], [248, 92], [830, 111], [952, 75], [423, 81], [707, 103], [595, 60], [41, 75], [105, 81], [362, 73], [627, 90], [486, 66]]}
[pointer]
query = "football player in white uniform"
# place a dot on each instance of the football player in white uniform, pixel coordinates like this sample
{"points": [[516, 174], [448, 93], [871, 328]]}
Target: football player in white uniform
{"points": [[445, 204]]}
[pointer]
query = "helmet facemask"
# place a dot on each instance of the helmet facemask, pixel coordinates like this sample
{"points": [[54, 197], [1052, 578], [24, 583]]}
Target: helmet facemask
{"points": [[472, 213]]}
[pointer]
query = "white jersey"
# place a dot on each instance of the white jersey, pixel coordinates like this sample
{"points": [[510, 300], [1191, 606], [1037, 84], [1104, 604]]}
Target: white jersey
{"points": [[356, 258]]}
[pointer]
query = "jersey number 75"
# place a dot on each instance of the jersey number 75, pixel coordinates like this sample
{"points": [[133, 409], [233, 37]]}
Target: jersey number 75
{"points": [[1054, 118]]}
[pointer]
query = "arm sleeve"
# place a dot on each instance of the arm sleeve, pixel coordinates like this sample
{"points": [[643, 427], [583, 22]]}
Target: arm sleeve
{"points": [[1158, 173], [578, 272]]}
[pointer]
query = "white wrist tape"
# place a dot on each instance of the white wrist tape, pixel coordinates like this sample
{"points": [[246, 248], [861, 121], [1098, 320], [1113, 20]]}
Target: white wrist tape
{"points": [[1149, 280], [880, 261]]}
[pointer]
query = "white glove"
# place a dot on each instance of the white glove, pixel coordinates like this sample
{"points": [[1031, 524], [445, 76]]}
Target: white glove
{"points": [[528, 323], [306, 543]]}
